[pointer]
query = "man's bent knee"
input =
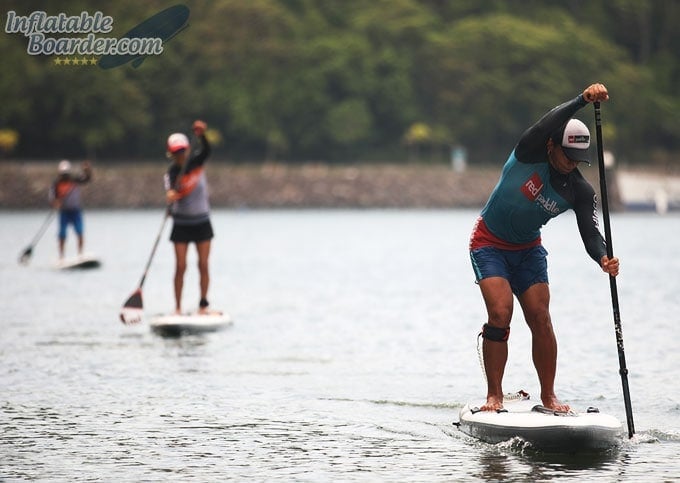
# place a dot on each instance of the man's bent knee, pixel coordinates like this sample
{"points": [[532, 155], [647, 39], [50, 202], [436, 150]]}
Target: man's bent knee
{"points": [[496, 334]]}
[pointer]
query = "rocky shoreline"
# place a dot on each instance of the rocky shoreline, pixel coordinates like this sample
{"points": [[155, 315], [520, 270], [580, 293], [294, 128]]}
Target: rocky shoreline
{"points": [[266, 185], [312, 185]]}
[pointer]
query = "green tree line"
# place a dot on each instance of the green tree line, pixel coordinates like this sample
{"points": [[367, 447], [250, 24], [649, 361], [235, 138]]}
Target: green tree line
{"points": [[351, 80]]}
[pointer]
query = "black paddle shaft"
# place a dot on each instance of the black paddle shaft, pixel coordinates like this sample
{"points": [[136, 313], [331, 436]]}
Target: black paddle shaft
{"points": [[26, 254], [153, 250], [612, 280]]}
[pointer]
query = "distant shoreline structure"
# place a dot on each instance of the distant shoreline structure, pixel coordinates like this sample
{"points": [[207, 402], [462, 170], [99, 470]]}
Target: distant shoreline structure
{"points": [[644, 191], [317, 185]]}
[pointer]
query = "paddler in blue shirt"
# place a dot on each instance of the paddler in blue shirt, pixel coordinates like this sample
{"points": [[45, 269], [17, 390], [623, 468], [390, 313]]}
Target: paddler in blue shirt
{"points": [[187, 195], [539, 181]]}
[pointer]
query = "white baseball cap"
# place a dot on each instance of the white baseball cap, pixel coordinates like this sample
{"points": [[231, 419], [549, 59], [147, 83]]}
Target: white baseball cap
{"points": [[574, 137], [177, 142], [64, 166]]}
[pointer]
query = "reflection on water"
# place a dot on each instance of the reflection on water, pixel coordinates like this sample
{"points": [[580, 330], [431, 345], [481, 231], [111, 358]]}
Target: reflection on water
{"points": [[353, 350]]}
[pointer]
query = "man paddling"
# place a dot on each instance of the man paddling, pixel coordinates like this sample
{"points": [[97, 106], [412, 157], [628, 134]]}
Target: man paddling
{"points": [[64, 195], [187, 194], [539, 181]]}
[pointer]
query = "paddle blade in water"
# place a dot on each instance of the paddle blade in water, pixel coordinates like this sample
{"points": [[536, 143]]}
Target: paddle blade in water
{"points": [[132, 310], [26, 256], [131, 316]]}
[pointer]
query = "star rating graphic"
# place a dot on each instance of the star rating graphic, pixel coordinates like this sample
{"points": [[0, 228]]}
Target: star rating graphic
{"points": [[71, 61]]}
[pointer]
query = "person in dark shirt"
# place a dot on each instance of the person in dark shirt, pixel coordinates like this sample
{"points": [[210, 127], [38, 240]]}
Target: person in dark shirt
{"points": [[64, 195], [539, 181]]}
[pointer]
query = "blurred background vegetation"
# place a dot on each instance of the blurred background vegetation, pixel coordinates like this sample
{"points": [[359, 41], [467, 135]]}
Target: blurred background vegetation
{"points": [[352, 80]]}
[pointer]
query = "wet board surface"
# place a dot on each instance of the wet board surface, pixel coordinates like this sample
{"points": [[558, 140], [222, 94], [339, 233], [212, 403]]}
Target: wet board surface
{"points": [[175, 325], [542, 428]]}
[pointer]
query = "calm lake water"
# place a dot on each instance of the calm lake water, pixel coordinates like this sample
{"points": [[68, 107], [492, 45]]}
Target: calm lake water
{"points": [[353, 349]]}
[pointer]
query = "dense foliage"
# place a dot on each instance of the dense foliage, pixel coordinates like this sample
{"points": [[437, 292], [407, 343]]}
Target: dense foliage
{"points": [[346, 80]]}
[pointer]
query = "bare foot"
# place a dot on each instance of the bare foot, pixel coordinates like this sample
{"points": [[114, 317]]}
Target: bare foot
{"points": [[551, 402], [493, 403]]}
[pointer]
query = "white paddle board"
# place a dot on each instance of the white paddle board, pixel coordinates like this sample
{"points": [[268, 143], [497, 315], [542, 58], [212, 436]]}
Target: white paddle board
{"points": [[543, 428], [78, 262], [175, 325]]}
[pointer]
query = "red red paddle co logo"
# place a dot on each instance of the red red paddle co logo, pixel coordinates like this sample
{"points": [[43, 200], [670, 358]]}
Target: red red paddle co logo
{"points": [[578, 139], [533, 186]]}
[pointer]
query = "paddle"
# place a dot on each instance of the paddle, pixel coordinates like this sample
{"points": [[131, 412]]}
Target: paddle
{"points": [[132, 310], [131, 313], [26, 254], [612, 280]]}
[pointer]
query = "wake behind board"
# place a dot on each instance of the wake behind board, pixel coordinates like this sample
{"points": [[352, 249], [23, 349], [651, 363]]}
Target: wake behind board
{"points": [[175, 325], [78, 262], [543, 428]]}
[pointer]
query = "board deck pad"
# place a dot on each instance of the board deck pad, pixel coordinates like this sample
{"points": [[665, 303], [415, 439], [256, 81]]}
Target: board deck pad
{"points": [[543, 428], [175, 325], [78, 262]]}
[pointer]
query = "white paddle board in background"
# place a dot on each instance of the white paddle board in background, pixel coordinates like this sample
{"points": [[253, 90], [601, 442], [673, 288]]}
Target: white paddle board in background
{"points": [[543, 428], [175, 325], [78, 262]]}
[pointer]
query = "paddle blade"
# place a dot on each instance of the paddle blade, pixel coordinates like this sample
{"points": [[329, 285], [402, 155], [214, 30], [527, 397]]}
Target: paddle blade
{"points": [[26, 256], [132, 310]]}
